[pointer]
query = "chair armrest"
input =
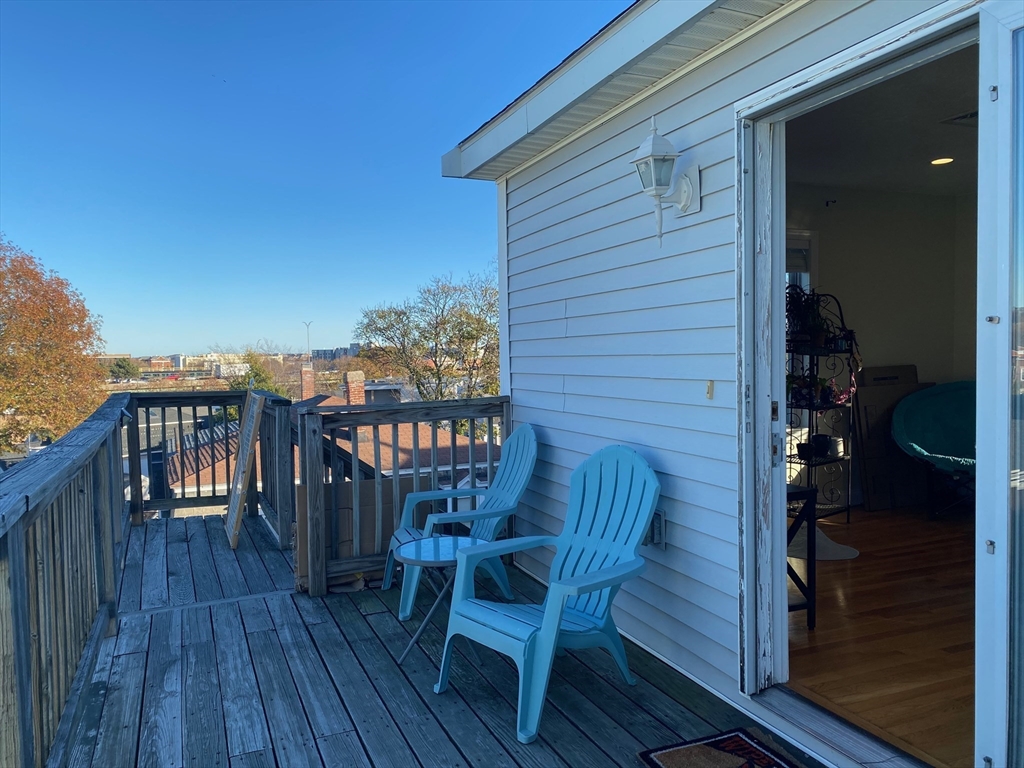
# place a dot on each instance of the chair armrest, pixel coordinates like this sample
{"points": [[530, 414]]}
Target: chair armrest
{"points": [[468, 558], [440, 518], [597, 580], [417, 497]]}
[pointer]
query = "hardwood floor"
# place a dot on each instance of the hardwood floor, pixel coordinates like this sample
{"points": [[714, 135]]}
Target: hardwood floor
{"points": [[893, 651]]}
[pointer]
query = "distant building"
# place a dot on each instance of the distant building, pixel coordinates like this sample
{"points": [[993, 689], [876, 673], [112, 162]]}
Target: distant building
{"points": [[156, 363], [230, 370], [333, 354]]}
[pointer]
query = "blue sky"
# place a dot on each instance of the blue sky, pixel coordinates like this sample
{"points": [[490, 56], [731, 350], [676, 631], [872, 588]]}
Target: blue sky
{"points": [[217, 173]]}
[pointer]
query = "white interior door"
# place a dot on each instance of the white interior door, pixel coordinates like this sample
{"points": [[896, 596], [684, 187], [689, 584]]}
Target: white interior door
{"points": [[996, 118]]}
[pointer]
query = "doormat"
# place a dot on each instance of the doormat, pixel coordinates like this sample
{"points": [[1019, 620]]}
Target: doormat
{"points": [[734, 749]]}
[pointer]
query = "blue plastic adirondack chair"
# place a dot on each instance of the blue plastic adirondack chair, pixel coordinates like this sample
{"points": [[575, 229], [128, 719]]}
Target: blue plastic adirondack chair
{"points": [[612, 496], [518, 457]]}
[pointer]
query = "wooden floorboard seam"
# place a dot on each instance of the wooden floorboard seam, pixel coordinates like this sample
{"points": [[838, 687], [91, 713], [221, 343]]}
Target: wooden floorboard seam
{"points": [[206, 604]]}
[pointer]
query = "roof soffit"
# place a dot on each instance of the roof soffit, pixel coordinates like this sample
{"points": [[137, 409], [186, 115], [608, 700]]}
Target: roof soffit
{"points": [[625, 59]]}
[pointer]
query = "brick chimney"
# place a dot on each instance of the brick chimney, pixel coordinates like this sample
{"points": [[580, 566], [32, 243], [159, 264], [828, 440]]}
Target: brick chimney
{"points": [[307, 382], [355, 387]]}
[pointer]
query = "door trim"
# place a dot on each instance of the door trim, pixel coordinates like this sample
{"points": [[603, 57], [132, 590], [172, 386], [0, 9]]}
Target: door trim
{"points": [[760, 184]]}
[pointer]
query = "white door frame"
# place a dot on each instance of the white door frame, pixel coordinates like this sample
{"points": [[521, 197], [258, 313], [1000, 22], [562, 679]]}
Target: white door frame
{"points": [[760, 121]]}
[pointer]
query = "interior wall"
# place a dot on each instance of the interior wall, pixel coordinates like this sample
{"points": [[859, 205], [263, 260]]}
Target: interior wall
{"points": [[903, 267]]}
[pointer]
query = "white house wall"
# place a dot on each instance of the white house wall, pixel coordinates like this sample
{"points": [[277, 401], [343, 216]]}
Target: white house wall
{"points": [[613, 339]]}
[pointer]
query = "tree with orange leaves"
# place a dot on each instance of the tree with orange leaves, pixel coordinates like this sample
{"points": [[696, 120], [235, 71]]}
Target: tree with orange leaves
{"points": [[49, 377]]}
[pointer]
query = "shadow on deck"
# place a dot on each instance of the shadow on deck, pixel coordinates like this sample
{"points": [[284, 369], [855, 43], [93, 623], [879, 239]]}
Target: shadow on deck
{"points": [[217, 662]]}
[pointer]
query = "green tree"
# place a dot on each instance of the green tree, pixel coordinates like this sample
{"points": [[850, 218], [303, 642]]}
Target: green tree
{"points": [[49, 377], [124, 368], [259, 373], [444, 341]]}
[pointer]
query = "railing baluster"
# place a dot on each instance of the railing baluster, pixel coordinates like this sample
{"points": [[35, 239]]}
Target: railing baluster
{"points": [[149, 452], [472, 460], [135, 463], [433, 455], [164, 491], [378, 491], [182, 455], [415, 456], [395, 479], [227, 446], [196, 453], [313, 452], [337, 481], [22, 574], [490, 450], [357, 548], [454, 455]]}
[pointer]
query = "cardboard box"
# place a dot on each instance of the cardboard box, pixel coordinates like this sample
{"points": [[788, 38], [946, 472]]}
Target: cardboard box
{"points": [[889, 478]]}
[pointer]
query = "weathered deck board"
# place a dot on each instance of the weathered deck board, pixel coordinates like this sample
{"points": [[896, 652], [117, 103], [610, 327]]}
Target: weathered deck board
{"points": [[424, 734], [293, 740], [274, 561], [118, 733], [232, 582], [244, 718], [475, 741], [254, 676], [204, 571], [324, 709], [180, 587], [160, 738], [256, 576], [131, 578], [204, 742], [154, 566], [377, 729]]}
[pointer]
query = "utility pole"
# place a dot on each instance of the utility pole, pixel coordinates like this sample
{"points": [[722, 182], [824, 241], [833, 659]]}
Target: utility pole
{"points": [[309, 352]]}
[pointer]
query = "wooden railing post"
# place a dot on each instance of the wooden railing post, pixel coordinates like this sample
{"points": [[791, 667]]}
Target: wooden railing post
{"points": [[21, 625], [282, 464], [135, 463], [313, 464], [103, 534]]}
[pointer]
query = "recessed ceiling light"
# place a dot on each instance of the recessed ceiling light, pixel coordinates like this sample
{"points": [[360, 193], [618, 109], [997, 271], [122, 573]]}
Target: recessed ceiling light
{"points": [[942, 161]]}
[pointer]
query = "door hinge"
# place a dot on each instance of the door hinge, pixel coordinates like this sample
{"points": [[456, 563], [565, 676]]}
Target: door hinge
{"points": [[993, 93], [775, 410]]}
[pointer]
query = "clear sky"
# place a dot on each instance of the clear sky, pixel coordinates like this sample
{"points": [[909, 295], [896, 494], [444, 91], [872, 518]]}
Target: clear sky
{"points": [[216, 173]]}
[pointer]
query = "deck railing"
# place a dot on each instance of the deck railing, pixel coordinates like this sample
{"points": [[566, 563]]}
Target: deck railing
{"points": [[185, 444], [357, 464], [60, 526]]}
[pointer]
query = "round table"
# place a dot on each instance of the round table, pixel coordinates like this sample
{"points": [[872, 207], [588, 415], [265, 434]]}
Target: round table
{"points": [[432, 552]]}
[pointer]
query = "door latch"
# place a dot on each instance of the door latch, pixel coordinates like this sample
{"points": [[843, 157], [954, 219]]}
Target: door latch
{"points": [[990, 546], [778, 449], [775, 410]]}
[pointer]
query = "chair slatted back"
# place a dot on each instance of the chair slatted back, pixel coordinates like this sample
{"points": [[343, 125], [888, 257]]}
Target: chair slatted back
{"points": [[515, 468], [612, 496]]}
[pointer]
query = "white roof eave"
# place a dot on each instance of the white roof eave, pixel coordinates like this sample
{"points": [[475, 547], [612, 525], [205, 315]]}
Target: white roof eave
{"points": [[643, 27], [645, 48]]}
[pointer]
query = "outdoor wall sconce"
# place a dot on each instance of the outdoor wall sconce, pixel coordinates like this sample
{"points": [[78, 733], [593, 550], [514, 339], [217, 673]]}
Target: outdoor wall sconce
{"points": [[656, 160]]}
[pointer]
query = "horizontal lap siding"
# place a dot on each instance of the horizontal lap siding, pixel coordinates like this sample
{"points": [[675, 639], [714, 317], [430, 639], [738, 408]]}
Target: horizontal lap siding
{"points": [[613, 339]]}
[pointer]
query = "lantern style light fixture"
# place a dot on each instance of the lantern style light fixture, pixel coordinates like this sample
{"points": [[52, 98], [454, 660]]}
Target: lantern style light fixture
{"points": [[655, 162]]}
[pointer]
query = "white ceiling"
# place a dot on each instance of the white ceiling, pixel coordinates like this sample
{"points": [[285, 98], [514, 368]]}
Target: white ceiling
{"points": [[884, 137]]}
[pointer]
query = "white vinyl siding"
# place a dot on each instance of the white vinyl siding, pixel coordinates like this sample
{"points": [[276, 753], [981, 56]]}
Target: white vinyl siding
{"points": [[613, 339]]}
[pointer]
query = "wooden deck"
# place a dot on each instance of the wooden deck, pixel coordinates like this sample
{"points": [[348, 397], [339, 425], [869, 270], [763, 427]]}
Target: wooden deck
{"points": [[217, 662]]}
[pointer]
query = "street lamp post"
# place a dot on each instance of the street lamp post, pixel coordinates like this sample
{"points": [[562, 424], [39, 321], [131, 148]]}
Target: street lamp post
{"points": [[309, 352]]}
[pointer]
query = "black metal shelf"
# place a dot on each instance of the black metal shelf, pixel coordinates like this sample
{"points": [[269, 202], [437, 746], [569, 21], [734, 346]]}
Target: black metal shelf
{"points": [[817, 461]]}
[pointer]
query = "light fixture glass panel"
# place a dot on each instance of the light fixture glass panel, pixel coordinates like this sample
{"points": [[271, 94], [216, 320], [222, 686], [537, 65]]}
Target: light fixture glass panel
{"points": [[663, 168], [646, 174]]}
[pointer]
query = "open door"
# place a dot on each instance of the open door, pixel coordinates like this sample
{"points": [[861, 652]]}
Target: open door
{"points": [[1000, 307]]}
